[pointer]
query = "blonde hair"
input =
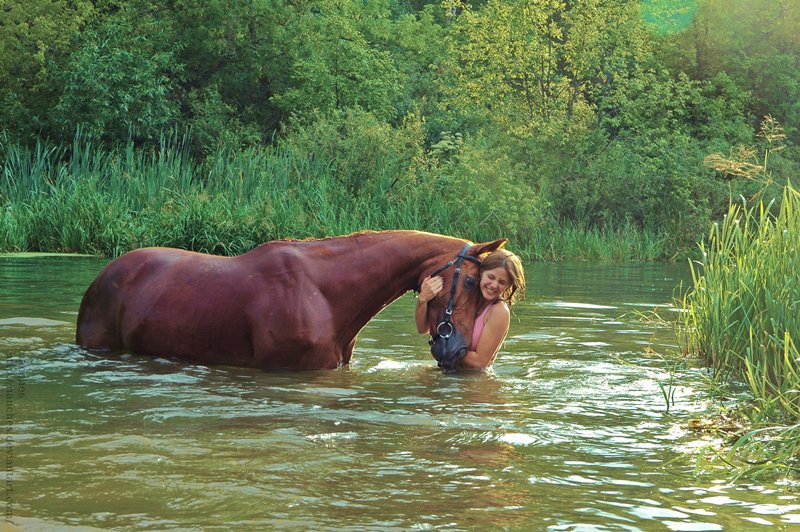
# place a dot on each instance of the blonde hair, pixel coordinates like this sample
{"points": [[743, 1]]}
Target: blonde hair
{"points": [[502, 258]]}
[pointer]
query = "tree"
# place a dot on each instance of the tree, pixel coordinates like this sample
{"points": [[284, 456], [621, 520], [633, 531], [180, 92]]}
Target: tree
{"points": [[529, 63], [235, 60], [118, 83], [340, 62], [756, 43], [35, 36]]}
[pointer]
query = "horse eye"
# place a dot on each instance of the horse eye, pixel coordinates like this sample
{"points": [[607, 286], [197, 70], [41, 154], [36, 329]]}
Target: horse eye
{"points": [[469, 282]]}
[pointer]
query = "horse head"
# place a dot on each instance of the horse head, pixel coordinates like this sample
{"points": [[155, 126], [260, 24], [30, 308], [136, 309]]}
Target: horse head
{"points": [[451, 314]]}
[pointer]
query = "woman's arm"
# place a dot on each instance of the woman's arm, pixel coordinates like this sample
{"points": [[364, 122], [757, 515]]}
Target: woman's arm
{"points": [[430, 287], [494, 332]]}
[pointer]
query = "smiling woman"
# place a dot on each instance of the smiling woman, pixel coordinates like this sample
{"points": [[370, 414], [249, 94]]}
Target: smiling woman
{"points": [[501, 283]]}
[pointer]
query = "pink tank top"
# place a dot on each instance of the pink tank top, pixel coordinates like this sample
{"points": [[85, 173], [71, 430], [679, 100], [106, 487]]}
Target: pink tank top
{"points": [[477, 329]]}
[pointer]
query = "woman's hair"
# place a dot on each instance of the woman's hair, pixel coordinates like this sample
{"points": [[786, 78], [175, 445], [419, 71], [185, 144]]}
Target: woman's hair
{"points": [[502, 258]]}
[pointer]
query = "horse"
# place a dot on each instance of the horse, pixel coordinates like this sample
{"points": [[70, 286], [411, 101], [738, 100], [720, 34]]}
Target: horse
{"points": [[285, 304]]}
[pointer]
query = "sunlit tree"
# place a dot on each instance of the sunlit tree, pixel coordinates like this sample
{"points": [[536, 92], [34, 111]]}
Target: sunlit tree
{"points": [[337, 58], [531, 62]]}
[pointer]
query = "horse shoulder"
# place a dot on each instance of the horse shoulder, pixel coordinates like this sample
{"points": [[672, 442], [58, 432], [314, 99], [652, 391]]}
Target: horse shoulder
{"points": [[290, 313]]}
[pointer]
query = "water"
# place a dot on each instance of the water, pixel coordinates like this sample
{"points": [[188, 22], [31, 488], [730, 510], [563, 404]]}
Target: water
{"points": [[568, 432]]}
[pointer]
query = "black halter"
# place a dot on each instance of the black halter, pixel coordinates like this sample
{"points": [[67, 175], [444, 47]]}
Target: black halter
{"points": [[446, 324]]}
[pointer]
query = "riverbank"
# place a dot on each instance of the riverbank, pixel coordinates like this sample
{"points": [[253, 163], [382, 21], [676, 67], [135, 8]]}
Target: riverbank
{"points": [[742, 319], [97, 201]]}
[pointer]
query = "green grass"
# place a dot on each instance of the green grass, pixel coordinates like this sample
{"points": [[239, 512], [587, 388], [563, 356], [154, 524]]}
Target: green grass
{"points": [[85, 198], [568, 241], [742, 317]]}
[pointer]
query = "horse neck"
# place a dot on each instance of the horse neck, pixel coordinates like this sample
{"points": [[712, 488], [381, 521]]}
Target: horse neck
{"points": [[389, 263], [369, 271]]}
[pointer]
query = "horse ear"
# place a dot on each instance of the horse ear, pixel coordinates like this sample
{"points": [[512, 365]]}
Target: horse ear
{"points": [[487, 247]]}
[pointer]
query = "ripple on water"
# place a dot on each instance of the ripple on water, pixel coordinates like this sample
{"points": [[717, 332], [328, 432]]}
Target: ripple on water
{"points": [[26, 321], [20, 342], [575, 305]]}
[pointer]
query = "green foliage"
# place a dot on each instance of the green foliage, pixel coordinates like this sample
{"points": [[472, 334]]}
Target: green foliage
{"points": [[652, 183], [363, 151], [117, 83], [109, 202], [645, 164], [741, 317], [656, 104], [615, 181], [775, 81], [485, 184], [416, 44], [527, 63], [523, 114], [755, 43], [215, 125], [35, 35], [669, 16], [447, 149], [338, 63], [233, 57]]}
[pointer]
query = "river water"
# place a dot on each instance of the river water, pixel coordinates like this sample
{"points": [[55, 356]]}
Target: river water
{"points": [[569, 431]]}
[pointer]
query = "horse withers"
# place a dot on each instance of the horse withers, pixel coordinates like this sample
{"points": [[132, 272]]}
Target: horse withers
{"points": [[283, 305]]}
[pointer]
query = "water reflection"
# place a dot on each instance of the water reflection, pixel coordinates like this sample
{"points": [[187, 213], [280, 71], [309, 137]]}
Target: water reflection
{"points": [[569, 431]]}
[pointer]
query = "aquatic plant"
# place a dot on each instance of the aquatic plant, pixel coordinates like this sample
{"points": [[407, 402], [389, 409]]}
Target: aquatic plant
{"points": [[742, 317], [88, 198]]}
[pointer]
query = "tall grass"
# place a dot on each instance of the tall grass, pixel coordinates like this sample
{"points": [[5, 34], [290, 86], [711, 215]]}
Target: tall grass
{"points": [[743, 317], [569, 241], [87, 198]]}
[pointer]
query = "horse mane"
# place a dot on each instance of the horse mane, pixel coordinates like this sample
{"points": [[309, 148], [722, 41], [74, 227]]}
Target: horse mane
{"points": [[351, 236]]}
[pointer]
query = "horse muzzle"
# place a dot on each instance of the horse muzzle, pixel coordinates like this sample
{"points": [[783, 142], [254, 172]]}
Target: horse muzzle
{"points": [[448, 350]]}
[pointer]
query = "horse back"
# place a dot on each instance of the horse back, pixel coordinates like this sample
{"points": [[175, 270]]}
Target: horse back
{"points": [[129, 285], [170, 302]]}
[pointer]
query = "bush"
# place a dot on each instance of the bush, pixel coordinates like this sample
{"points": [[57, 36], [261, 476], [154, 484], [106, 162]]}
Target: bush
{"points": [[365, 154], [657, 184], [116, 84]]}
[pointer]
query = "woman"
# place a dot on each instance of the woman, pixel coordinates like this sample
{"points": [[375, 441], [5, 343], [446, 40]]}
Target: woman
{"points": [[502, 283]]}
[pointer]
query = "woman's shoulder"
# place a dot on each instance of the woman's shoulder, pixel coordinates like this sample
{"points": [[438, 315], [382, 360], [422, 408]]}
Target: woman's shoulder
{"points": [[499, 309]]}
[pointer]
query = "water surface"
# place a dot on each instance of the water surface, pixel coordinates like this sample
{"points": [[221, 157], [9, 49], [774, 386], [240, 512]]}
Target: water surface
{"points": [[568, 432]]}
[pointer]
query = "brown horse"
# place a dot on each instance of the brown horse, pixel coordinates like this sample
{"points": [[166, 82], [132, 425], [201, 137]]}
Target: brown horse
{"points": [[282, 305]]}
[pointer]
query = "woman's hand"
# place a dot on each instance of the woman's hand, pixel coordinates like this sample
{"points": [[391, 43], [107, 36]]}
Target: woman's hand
{"points": [[427, 291], [430, 287]]}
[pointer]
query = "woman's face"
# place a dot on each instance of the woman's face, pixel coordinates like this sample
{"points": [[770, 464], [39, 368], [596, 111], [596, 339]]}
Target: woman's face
{"points": [[494, 282]]}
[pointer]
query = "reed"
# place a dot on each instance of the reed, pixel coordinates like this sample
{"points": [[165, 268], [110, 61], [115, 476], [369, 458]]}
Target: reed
{"points": [[742, 317], [92, 199], [570, 241]]}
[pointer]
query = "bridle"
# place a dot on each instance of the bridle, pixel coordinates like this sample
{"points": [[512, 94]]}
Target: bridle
{"points": [[446, 324]]}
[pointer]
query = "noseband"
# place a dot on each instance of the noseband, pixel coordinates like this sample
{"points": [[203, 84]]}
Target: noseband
{"points": [[446, 326]]}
